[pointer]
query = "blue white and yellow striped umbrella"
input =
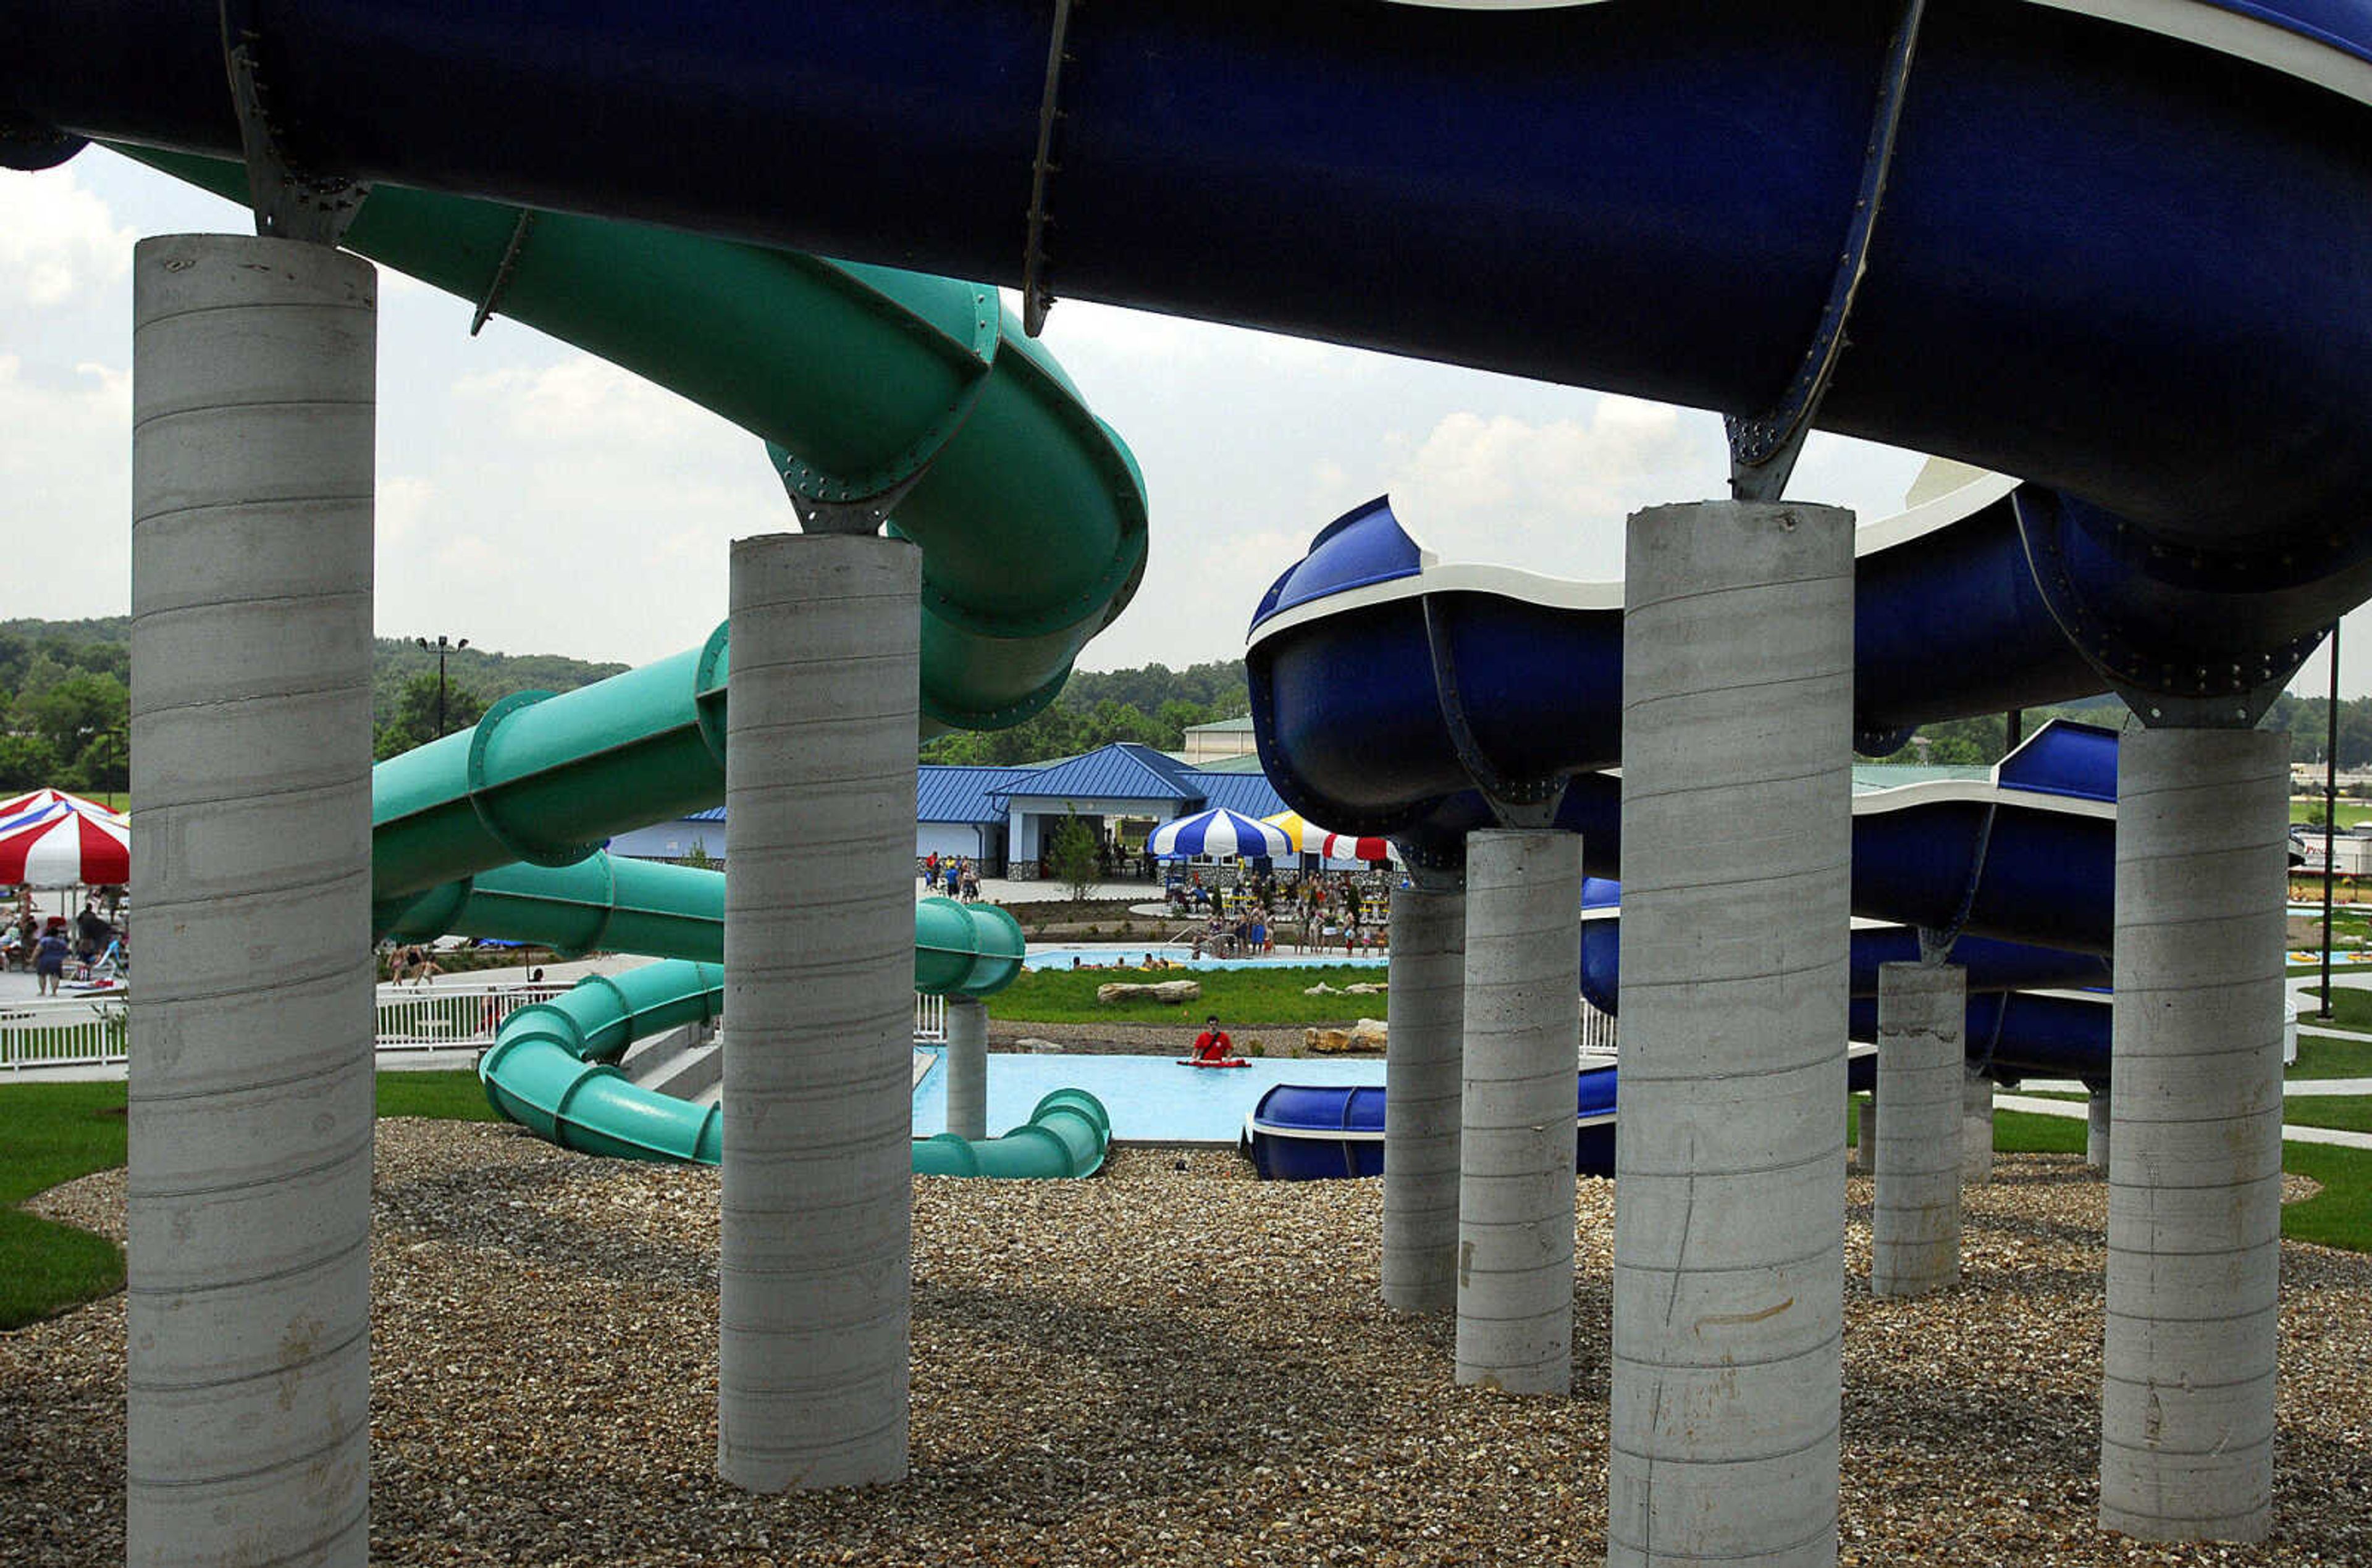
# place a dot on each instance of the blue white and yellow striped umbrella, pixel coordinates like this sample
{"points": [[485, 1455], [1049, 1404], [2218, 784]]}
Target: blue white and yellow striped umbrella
{"points": [[1298, 833], [1219, 834]]}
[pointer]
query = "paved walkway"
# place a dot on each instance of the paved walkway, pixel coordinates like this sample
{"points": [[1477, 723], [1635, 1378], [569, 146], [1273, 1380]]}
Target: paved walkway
{"points": [[2290, 1132]]}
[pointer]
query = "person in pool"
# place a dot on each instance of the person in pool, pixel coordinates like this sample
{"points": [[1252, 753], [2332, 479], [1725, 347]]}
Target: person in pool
{"points": [[1213, 1044]]}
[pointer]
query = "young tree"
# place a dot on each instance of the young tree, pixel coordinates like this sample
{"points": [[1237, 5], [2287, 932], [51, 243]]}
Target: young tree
{"points": [[1070, 856]]}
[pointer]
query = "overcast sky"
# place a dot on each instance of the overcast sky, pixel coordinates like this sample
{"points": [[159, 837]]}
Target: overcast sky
{"points": [[537, 501]]}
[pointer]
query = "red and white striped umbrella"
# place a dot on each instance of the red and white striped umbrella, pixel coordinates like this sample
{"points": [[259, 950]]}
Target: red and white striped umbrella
{"points": [[1346, 848], [40, 799], [1343, 846], [50, 839]]}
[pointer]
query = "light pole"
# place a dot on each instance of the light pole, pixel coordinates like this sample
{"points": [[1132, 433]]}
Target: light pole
{"points": [[442, 647], [2330, 815]]}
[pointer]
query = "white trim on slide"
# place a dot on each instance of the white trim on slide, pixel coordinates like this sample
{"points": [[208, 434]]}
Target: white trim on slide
{"points": [[2210, 24], [2227, 31], [1566, 593]]}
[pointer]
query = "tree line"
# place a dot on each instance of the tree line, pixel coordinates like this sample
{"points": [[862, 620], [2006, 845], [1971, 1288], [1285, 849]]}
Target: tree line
{"points": [[66, 697], [1152, 705], [2306, 720], [65, 707]]}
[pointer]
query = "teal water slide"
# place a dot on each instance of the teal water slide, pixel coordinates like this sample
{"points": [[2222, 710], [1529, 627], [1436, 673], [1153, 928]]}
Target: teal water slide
{"points": [[553, 1065], [882, 397]]}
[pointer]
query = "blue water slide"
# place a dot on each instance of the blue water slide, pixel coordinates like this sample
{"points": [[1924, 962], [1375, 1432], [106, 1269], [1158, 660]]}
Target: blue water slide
{"points": [[2032, 1011], [1323, 1131], [1320, 1132], [1359, 652], [2121, 253]]}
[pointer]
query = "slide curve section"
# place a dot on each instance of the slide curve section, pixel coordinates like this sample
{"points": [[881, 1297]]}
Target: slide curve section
{"points": [[552, 1068]]}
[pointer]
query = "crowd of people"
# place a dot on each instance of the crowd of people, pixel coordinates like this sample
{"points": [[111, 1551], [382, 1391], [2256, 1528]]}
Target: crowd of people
{"points": [[955, 873], [1244, 920], [87, 947]]}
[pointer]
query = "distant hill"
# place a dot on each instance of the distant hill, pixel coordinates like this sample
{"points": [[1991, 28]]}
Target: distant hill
{"points": [[394, 659], [490, 675]]}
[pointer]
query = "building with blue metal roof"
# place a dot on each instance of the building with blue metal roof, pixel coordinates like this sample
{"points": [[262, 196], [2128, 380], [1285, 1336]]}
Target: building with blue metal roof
{"points": [[1002, 817]]}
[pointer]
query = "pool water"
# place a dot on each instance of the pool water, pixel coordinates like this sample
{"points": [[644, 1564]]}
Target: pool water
{"points": [[1148, 1097]]}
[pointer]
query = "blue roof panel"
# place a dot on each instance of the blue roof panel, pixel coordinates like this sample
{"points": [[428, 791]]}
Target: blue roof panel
{"points": [[1123, 770], [944, 794], [1249, 793]]}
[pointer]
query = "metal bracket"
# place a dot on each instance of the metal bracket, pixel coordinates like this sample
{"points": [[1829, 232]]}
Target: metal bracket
{"points": [[2230, 694], [1517, 802], [1983, 1061], [503, 269], [1936, 942], [1037, 299], [289, 204], [863, 516], [1431, 873], [1872, 742], [1764, 448], [30, 145]]}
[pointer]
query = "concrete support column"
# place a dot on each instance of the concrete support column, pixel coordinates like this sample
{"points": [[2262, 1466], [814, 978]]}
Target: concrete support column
{"points": [[2195, 1163], [1976, 1128], [1730, 1182], [1515, 1189], [967, 1066], [2096, 1129], [1424, 1056], [1865, 1145], [814, 1258], [1922, 1013], [248, 1316]]}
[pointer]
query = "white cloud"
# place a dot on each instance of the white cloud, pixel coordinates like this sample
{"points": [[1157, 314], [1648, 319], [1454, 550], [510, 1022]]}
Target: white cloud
{"points": [[58, 240], [582, 400], [65, 489], [1551, 496], [405, 503]]}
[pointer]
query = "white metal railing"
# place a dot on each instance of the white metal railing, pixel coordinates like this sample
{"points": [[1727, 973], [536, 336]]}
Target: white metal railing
{"points": [[450, 1017], [60, 1031], [1597, 1031], [90, 1031]]}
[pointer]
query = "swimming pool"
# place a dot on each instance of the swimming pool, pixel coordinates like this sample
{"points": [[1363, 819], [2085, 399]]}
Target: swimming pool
{"points": [[1149, 1098], [1060, 958]]}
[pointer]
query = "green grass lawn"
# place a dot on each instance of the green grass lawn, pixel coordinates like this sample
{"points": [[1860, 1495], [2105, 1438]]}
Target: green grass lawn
{"points": [[2349, 1113], [2320, 1057], [1243, 998], [2350, 811], [444, 1097], [2340, 1215], [53, 1133]]}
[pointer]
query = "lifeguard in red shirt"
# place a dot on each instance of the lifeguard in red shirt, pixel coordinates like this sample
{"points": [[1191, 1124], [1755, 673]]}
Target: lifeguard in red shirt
{"points": [[1213, 1044]]}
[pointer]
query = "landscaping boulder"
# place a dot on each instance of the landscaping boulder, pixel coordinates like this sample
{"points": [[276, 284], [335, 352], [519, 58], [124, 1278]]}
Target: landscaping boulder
{"points": [[1172, 992], [1367, 1034]]}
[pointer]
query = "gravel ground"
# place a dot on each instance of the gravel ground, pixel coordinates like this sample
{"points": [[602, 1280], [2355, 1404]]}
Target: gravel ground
{"points": [[1169, 1364]]}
